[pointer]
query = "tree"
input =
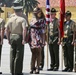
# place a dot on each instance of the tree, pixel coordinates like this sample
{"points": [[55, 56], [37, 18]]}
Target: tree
{"points": [[2, 2], [28, 5], [8, 3]]}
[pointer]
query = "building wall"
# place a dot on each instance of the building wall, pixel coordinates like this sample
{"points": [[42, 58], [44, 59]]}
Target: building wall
{"points": [[7, 12], [56, 3]]}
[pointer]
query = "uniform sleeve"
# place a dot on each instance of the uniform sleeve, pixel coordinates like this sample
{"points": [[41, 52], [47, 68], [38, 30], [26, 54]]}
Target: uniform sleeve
{"points": [[7, 24], [3, 24], [74, 26], [25, 17], [57, 23], [24, 23]]}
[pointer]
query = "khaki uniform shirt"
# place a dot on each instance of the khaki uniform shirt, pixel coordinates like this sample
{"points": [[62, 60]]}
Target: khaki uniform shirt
{"points": [[53, 27], [75, 27], [53, 30], [24, 16], [69, 28], [16, 24]]}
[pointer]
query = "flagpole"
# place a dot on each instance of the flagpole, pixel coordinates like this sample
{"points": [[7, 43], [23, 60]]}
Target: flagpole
{"points": [[62, 13], [74, 36], [75, 56], [61, 58], [47, 46], [47, 23]]}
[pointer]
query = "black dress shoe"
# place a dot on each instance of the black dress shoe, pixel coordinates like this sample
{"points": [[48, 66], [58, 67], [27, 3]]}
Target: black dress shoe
{"points": [[0, 72], [32, 71], [40, 68], [69, 70], [55, 69], [37, 71], [19, 74], [65, 70], [12, 74], [51, 69]]}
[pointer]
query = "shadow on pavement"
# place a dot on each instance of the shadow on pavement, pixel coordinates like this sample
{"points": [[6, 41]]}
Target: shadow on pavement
{"points": [[47, 74], [5, 74], [41, 74]]}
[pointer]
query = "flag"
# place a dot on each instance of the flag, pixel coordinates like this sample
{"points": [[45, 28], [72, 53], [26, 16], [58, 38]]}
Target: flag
{"points": [[62, 15], [47, 12]]}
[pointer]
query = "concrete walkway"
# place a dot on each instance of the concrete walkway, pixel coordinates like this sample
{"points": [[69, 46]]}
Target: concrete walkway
{"points": [[5, 63]]}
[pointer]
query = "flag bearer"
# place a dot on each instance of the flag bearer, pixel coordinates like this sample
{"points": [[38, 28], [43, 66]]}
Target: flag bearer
{"points": [[68, 42], [2, 26], [54, 40]]}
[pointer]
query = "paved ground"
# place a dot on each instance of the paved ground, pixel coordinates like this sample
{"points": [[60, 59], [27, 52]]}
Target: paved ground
{"points": [[27, 57]]}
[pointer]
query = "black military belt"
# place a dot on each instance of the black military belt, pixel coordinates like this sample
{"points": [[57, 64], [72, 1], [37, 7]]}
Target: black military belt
{"points": [[65, 39], [70, 38]]}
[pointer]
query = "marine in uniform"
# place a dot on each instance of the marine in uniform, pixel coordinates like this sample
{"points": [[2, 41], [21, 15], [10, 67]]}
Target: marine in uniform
{"points": [[68, 42], [75, 48], [75, 51], [16, 33], [16, 3], [2, 27], [54, 40]]}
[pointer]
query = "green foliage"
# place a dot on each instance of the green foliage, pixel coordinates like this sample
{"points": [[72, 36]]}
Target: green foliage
{"points": [[2, 2], [8, 3], [28, 5]]}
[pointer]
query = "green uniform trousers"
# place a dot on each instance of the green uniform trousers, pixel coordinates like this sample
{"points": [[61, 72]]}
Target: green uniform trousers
{"points": [[16, 54], [75, 60], [68, 49], [54, 54], [0, 53]]}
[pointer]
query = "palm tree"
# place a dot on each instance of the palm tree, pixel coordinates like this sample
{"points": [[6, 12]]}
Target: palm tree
{"points": [[28, 5], [8, 3], [2, 2]]}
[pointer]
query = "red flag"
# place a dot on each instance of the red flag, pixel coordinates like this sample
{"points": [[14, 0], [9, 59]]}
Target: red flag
{"points": [[62, 15]]}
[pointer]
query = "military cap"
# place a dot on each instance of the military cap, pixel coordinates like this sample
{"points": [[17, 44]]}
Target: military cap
{"points": [[36, 10], [68, 13], [53, 10], [16, 5], [1, 11]]}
